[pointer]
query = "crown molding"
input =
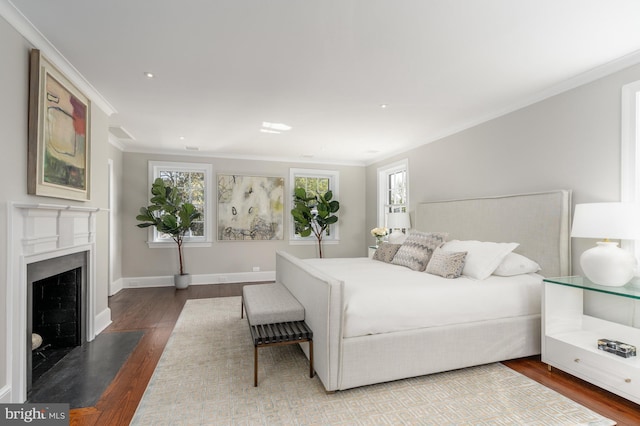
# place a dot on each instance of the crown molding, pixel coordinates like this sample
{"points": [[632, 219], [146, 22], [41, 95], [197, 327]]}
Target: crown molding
{"points": [[24, 27]]}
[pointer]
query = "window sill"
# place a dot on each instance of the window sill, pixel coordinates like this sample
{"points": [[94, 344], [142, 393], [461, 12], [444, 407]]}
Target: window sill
{"points": [[312, 242], [172, 244]]}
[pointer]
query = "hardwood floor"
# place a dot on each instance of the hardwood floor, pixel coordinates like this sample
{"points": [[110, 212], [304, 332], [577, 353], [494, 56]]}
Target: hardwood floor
{"points": [[156, 310]]}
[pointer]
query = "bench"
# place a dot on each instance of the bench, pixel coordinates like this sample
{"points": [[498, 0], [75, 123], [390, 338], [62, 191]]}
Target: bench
{"points": [[275, 318]]}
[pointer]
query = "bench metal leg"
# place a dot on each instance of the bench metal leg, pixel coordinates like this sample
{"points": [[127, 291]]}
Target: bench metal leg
{"points": [[311, 371], [255, 366]]}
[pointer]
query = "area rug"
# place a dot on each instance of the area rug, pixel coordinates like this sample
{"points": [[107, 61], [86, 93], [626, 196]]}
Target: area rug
{"points": [[205, 377]]}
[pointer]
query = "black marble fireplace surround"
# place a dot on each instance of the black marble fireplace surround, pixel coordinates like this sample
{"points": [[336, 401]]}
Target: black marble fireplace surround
{"points": [[56, 310]]}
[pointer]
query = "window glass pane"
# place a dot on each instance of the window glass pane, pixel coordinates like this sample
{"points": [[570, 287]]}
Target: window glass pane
{"points": [[191, 187], [314, 185], [396, 191], [392, 190]]}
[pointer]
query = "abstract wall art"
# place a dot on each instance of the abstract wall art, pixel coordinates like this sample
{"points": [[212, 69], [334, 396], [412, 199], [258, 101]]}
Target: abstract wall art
{"points": [[250, 207], [58, 148]]}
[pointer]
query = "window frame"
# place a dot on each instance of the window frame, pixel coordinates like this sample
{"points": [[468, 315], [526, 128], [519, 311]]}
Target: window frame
{"points": [[334, 185], [155, 167], [630, 154], [384, 173]]}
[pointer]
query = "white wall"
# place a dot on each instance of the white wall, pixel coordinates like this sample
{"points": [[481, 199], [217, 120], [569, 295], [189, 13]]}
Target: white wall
{"points": [[14, 86], [230, 257]]}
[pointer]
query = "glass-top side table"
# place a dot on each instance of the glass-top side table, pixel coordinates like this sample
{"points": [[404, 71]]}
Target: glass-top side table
{"points": [[632, 289]]}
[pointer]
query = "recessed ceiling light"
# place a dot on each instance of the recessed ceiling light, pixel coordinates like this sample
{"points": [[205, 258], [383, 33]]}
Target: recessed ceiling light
{"points": [[181, 138], [383, 106], [149, 74], [280, 127], [270, 131]]}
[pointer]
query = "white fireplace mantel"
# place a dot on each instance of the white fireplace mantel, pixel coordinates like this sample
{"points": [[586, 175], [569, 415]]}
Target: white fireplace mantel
{"points": [[37, 232]]}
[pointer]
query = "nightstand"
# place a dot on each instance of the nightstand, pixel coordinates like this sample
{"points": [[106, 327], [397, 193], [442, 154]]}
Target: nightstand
{"points": [[570, 338], [372, 249]]}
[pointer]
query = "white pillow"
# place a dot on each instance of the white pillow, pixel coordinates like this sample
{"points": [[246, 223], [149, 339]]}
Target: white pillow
{"points": [[516, 264], [482, 257]]}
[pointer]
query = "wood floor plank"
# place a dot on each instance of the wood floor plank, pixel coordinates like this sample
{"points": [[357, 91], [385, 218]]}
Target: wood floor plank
{"points": [[156, 310], [597, 399]]}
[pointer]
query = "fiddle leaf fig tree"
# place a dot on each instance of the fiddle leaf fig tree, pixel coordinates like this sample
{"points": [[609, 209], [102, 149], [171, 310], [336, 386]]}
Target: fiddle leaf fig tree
{"points": [[314, 214], [169, 214]]}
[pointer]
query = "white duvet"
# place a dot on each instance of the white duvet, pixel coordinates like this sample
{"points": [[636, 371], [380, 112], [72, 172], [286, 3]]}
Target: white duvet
{"points": [[383, 298]]}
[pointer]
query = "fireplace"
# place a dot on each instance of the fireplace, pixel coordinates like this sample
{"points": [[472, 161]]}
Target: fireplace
{"points": [[59, 240], [56, 311]]}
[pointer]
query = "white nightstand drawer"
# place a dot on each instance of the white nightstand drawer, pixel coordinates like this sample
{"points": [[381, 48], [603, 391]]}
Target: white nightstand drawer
{"points": [[609, 371]]}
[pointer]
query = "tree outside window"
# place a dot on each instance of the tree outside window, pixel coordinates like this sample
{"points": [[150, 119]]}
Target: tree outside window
{"points": [[192, 180]]}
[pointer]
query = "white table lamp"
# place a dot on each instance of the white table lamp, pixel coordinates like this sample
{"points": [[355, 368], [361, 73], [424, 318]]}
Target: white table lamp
{"points": [[400, 220], [607, 264]]}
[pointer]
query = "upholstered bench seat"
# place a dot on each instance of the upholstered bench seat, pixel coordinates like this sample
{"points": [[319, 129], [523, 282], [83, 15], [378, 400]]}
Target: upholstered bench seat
{"points": [[270, 303], [275, 318]]}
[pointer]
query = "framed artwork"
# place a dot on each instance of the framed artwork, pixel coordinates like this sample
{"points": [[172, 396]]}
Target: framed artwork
{"points": [[250, 207], [59, 143]]}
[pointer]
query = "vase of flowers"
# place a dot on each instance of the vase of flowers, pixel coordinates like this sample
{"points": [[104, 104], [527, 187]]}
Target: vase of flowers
{"points": [[379, 234]]}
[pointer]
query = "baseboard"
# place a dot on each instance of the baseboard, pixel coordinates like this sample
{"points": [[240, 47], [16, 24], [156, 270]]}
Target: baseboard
{"points": [[102, 321], [115, 286], [5, 394], [200, 279]]}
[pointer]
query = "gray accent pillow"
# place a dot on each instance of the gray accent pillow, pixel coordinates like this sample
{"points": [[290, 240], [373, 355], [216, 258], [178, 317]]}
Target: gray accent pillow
{"points": [[416, 250], [447, 264], [385, 252]]}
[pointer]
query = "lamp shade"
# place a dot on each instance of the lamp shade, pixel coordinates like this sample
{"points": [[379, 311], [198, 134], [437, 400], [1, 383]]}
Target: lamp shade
{"points": [[607, 264], [607, 220], [398, 221]]}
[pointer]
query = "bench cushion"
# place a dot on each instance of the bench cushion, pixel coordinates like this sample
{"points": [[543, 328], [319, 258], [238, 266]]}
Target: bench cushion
{"points": [[270, 303]]}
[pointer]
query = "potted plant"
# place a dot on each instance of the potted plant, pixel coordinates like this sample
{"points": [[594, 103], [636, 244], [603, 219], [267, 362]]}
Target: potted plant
{"points": [[314, 214], [172, 216]]}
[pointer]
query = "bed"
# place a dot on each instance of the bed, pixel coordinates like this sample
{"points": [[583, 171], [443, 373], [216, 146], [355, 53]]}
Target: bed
{"points": [[352, 346]]}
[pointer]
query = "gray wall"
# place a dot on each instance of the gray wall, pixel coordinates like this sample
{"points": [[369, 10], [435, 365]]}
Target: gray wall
{"points": [[138, 260], [14, 86]]}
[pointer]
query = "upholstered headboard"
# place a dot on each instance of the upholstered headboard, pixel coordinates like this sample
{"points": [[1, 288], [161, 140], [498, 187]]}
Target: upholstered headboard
{"points": [[540, 222]]}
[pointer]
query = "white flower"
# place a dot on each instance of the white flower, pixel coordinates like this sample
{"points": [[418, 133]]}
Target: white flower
{"points": [[379, 232]]}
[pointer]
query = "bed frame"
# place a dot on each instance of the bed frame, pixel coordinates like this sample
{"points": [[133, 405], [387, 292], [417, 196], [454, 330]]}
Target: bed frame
{"points": [[540, 222]]}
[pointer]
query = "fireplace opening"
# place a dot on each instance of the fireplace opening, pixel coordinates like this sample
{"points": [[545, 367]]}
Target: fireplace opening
{"points": [[56, 312]]}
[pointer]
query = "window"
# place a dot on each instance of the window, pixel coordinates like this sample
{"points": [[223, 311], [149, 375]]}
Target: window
{"points": [[318, 182], [630, 161], [193, 181], [393, 190]]}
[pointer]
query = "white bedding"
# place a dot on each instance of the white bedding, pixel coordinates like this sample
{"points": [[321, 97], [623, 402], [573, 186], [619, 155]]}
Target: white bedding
{"points": [[383, 298]]}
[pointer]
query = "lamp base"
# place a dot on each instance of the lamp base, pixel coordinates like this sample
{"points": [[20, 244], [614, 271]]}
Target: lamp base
{"points": [[607, 264], [397, 237]]}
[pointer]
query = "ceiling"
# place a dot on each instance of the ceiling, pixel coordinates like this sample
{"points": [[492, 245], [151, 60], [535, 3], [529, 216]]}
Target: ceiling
{"points": [[223, 67]]}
